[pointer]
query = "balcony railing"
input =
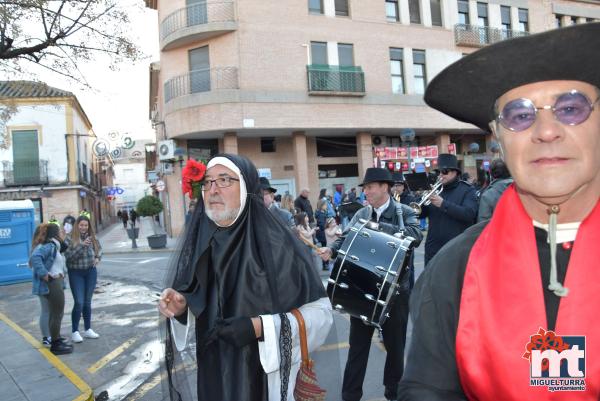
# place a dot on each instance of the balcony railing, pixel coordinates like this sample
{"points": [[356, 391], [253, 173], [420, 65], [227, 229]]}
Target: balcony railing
{"points": [[479, 36], [203, 80], [197, 14], [335, 80], [20, 173]]}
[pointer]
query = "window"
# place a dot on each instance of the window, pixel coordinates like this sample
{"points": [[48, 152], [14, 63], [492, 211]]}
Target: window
{"points": [[558, 20], [196, 12], [199, 69], [523, 20], [318, 53], [341, 8], [315, 6], [482, 14], [202, 149], [420, 78], [26, 159], [345, 55], [343, 146], [396, 56], [505, 17], [267, 145], [391, 10], [414, 11], [463, 12], [436, 12]]}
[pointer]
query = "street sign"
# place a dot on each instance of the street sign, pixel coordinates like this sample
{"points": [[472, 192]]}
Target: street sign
{"points": [[160, 185]]}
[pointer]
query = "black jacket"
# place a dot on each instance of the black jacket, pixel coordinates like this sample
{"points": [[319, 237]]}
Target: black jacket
{"points": [[303, 205], [457, 213]]}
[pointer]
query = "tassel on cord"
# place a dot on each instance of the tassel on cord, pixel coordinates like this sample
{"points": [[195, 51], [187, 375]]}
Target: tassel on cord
{"points": [[554, 285]]}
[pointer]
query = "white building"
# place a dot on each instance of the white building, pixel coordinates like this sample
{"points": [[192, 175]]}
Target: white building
{"points": [[46, 153]]}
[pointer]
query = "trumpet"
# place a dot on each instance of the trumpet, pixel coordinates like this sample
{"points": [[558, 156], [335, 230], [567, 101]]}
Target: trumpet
{"points": [[436, 189]]}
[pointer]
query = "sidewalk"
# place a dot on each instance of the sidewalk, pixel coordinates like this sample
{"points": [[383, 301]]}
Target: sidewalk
{"points": [[114, 239], [30, 372]]}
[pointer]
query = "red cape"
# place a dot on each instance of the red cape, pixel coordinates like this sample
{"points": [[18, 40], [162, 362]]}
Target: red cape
{"points": [[502, 306]]}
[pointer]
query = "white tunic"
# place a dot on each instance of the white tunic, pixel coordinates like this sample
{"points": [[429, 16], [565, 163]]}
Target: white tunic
{"points": [[318, 319]]}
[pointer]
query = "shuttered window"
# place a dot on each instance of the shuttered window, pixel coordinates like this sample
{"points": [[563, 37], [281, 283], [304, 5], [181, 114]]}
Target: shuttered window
{"points": [[26, 158]]}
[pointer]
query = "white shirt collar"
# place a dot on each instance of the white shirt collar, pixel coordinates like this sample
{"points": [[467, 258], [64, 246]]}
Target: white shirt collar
{"points": [[382, 208], [565, 232]]}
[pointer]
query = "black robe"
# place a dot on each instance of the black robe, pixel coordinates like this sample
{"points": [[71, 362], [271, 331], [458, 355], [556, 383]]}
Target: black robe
{"points": [[431, 372], [251, 268]]}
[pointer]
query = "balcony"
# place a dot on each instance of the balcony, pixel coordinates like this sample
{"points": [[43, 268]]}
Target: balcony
{"points": [[331, 80], [22, 173], [203, 80], [479, 36], [199, 21]]}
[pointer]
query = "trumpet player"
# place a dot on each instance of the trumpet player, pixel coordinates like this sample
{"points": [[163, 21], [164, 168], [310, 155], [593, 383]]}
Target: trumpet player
{"points": [[400, 191], [450, 212]]}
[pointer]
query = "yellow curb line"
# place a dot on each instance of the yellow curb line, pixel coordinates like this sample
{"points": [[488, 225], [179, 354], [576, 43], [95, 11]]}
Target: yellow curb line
{"points": [[112, 355], [87, 392], [154, 381]]}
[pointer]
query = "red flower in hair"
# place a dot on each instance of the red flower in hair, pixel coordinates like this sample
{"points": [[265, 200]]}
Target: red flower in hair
{"points": [[191, 175]]}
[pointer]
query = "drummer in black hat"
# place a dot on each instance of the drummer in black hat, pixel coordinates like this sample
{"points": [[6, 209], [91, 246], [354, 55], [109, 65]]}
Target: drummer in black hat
{"points": [[508, 310], [269, 198], [397, 218], [452, 211]]}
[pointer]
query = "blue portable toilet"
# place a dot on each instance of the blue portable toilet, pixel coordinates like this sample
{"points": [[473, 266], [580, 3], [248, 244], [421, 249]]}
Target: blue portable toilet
{"points": [[16, 232]]}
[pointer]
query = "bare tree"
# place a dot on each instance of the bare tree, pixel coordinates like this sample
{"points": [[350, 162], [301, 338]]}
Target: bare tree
{"points": [[57, 35]]}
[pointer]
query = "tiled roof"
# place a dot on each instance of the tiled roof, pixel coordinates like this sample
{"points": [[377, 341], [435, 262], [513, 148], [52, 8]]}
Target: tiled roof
{"points": [[29, 89]]}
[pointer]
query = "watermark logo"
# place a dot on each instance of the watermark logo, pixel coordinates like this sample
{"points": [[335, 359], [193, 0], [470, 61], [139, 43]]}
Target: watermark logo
{"points": [[556, 362]]}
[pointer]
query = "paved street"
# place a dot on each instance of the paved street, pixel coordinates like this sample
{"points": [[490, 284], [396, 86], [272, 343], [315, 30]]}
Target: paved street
{"points": [[125, 360]]}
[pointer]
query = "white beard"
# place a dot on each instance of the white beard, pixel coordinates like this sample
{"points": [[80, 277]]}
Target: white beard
{"points": [[222, 217]]}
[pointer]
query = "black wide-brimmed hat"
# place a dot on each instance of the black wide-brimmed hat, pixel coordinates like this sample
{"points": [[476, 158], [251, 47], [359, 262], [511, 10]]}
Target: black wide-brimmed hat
{"points": [[468, 89], [376, 174], [398, 177], [266, 185], [447, 161]]}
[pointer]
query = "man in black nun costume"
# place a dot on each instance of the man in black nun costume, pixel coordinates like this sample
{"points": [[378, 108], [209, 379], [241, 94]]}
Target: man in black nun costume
{"points": [[239, 273]]}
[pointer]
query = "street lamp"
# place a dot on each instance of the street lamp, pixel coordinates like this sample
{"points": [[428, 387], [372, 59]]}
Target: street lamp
{"points": [[407, 136]]}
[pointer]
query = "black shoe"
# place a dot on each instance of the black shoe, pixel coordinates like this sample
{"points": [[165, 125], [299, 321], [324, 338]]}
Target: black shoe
{"points": [[60, 348]]}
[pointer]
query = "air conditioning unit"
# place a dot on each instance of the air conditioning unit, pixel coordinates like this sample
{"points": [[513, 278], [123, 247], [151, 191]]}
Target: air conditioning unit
{"points": [[377, 140], [166, 150]]}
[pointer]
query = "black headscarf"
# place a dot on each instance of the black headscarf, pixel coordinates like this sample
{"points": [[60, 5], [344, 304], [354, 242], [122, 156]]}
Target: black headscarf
{"points": [[254, 267]]}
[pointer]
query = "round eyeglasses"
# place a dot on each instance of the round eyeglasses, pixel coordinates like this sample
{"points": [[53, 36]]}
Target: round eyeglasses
{"points": [[221, 182], [571, 108]]}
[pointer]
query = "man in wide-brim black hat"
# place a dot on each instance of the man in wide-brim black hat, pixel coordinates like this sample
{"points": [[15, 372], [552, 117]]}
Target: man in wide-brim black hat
{"points": [[452, 211], [396, 218], [269, 199], [493, 305]]}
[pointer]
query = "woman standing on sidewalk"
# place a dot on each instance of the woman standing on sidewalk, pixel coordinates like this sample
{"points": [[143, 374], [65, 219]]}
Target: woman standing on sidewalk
{"points": [[49, 273], [83, 255]]}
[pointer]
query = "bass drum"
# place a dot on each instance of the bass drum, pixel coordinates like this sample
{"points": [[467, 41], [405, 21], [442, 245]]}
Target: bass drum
{"points": [[366, 274]]}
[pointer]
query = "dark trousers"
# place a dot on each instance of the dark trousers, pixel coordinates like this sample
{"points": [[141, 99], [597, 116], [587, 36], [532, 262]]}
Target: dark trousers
{"points": [[56, 305], [394, 339], [82, 283]]}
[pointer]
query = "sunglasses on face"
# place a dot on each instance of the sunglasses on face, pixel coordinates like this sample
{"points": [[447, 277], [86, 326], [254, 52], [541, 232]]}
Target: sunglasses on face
{"points": [[445, 171], [571, 108]]}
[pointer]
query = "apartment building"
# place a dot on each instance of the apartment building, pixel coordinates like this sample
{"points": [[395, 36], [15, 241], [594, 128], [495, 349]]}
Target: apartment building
{"points": [[314, 91], [46, 153]]}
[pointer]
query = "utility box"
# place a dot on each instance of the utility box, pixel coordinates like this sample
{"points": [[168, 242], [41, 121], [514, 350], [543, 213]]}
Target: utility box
{"points": [[16, 232]]}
